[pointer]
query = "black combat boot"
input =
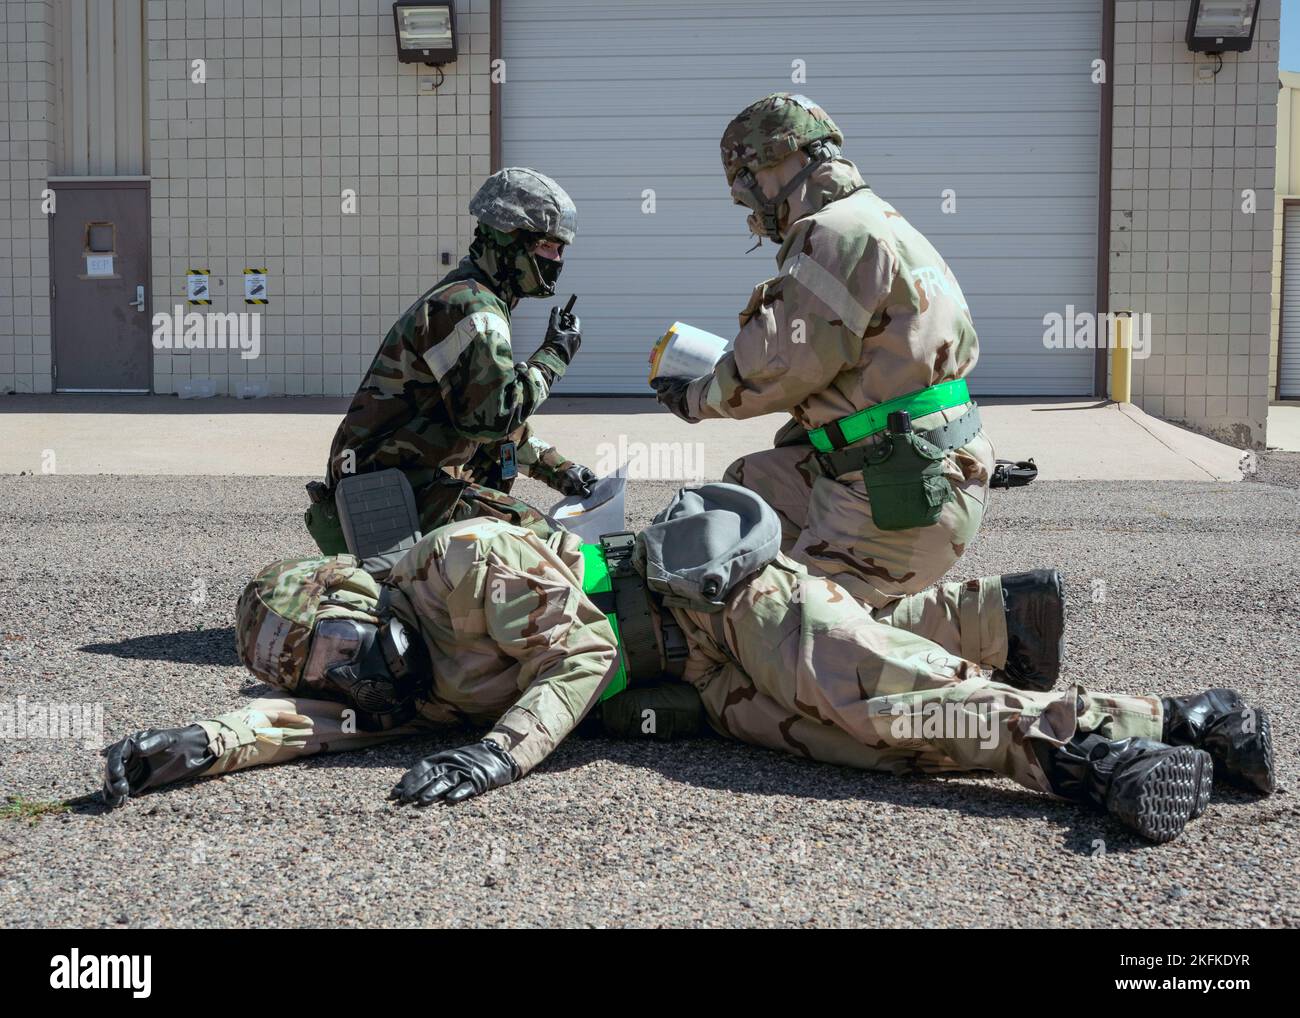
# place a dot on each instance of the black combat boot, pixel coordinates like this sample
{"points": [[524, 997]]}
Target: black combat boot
{"points": [[1239, 738], [1035, 609], [1150, 787]]}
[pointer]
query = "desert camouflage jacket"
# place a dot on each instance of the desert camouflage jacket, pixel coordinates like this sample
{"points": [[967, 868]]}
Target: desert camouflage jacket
{"points": [[862, 310], [512, 638]]}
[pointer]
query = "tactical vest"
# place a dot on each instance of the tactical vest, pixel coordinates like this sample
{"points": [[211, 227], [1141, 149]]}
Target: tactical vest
{"points": [[616, 588]]}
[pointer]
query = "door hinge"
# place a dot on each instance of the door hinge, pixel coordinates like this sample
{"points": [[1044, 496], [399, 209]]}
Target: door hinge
{"points": [[51, 288]]}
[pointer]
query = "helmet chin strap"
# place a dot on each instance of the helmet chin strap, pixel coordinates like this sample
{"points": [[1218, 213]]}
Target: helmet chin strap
{"points": [[769, 209]]}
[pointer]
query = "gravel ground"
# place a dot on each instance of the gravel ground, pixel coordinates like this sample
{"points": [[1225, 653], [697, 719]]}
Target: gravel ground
{"points": [[118, 591]]}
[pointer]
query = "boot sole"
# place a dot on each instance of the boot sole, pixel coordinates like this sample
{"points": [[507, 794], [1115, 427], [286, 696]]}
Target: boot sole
{"points": [[1266, 743], [1204, 787], [1174, 791], [1260, 761]]}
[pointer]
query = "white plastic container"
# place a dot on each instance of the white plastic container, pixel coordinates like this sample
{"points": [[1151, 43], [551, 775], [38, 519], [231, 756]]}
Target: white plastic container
{"points": [[601, 512], [252, 390], [197, 388], [686, 352]]}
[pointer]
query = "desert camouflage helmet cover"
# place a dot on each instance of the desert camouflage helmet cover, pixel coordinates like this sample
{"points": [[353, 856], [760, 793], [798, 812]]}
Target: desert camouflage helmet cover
{"points": [[766, 131], [518, 198], [278, 611]]}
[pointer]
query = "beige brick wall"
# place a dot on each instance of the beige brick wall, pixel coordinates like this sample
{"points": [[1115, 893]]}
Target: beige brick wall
{"points": [[305, 98], [26, 151], [1184, 150]]}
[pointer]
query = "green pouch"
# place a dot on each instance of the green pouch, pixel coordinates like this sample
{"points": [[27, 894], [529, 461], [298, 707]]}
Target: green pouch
{"points": [[323, 524], [665, 711], [905, 481]]}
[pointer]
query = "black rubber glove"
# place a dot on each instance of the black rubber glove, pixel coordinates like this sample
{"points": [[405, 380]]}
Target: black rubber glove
{"points": [[456, 774], [671, 392], [559, 345], [152, 758], [575, 479]]}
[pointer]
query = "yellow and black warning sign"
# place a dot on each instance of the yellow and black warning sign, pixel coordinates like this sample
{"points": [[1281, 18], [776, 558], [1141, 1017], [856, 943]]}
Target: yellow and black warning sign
{"points": [[255, 287], [198, 286]]}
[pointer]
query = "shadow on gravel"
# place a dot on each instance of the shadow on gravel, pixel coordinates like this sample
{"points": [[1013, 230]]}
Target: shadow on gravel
{"points": [[186, 646], [712, 762]]}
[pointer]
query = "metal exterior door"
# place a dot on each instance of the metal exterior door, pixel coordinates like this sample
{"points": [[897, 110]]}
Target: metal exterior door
{"points": [[99, 258]]}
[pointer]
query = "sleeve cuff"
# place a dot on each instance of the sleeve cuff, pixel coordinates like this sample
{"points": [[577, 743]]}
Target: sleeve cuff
{"points": [[696, 397], [552, 362]]}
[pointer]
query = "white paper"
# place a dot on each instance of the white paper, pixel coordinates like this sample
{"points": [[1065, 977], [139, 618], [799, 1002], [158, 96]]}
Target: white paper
{"points": [[693, 353], [601, 512], [99, 265]]}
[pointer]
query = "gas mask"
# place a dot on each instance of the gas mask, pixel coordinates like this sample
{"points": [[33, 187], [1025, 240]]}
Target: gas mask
{"points": [[509, 259], [380, 669], [765, 216]]}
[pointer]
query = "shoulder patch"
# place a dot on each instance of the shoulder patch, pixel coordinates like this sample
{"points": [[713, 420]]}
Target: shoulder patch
{"points": [[487, 326]]}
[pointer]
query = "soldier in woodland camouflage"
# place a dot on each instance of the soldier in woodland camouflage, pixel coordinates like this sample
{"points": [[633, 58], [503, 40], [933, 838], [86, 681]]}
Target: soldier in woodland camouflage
{"points": [[444, 394], [863, 311], [509, 638]]}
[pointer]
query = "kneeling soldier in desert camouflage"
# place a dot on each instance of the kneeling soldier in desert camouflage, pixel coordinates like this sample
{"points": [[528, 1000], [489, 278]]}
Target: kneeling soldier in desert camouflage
{"points": [[863, 342], [489, 623]]}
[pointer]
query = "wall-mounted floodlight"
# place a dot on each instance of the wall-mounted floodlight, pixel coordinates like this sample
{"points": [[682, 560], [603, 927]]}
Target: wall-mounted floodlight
{"points": [[1219, 26], [426, 33]]}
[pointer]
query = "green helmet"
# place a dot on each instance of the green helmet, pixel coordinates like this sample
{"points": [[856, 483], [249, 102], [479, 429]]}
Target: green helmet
{"points": [[515, 208], [278, 611], [763, 134]]}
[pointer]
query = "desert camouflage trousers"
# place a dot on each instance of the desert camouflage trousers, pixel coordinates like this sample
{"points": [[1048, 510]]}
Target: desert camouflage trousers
{"points": [[798, 666], [826, 523]]}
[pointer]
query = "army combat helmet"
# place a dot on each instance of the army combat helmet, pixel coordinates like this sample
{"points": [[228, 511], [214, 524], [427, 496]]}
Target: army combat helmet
{"points": [[515, 208], [322, 627], [763, 134]]}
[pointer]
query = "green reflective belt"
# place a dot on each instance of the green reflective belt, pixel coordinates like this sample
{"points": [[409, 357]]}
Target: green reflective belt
{"points": [[871, 421], [614, 586], [596, 580]]}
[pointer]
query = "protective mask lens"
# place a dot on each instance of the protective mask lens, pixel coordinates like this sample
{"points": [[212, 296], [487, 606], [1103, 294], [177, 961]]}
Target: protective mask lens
{"points": [[337, 642]]}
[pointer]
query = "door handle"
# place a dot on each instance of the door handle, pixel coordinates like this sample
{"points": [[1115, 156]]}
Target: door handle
{"points": [[138, 303]]}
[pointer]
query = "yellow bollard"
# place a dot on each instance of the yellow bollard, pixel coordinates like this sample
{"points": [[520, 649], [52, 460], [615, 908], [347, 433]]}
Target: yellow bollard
{"points": [[1121, 358]]}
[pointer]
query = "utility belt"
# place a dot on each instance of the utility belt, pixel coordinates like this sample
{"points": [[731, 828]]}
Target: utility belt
{"points": [[616, 588], [903, 472]]}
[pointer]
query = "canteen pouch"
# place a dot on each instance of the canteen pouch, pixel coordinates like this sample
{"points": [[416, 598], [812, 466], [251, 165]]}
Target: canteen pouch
{"points": [[905, 481]]}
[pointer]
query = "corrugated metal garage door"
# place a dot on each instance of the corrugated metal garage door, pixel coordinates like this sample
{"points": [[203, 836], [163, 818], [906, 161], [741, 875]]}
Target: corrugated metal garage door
{"points": [[1288, 352], [993, 100]]}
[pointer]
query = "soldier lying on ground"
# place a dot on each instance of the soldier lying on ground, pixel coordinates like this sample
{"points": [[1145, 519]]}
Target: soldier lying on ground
{"points": [[488, 623], [444, 400]]}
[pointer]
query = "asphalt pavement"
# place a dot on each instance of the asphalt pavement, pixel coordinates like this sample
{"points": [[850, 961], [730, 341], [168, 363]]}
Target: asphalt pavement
{"points": [[118, 592]]}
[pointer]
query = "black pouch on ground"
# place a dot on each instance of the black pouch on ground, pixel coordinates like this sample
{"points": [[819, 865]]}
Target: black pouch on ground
{"points": [[1013, 473], [904, 478]]}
